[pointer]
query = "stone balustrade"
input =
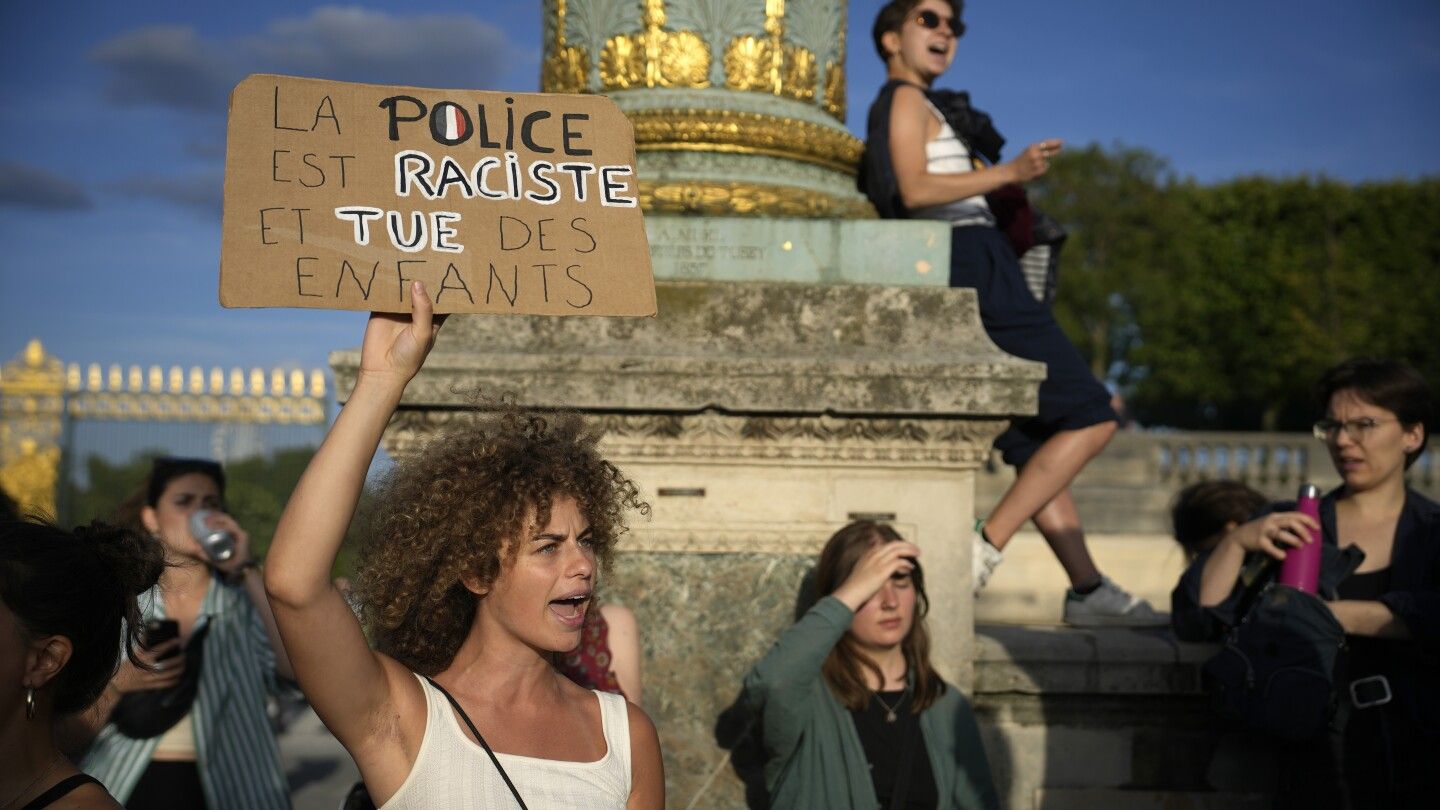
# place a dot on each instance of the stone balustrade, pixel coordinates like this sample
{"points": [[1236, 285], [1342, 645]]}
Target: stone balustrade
{"points": [[1128, 488]]}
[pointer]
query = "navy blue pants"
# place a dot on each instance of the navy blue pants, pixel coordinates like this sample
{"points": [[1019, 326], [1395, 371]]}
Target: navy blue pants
{"points": [[1070, 396]]}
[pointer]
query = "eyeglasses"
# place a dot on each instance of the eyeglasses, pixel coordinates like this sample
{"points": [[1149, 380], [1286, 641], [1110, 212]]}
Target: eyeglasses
{"points": [[933, 21], [1326, 430]]}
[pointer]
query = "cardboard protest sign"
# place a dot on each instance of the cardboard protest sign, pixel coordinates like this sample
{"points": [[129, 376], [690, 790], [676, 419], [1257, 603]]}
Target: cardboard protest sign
{"points": [[338, 195]]}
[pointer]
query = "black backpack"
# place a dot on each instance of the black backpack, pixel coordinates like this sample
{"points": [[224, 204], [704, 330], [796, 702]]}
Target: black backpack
{"points": [[1278, 669]]}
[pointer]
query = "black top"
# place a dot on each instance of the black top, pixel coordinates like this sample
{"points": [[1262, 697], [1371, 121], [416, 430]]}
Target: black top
{"points": [[883, 742], [1411, 590], [61, 789], [1370, 585]]}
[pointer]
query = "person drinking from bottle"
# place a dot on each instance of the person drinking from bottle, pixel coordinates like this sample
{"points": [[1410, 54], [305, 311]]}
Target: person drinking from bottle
{"points": [[188, 729]]}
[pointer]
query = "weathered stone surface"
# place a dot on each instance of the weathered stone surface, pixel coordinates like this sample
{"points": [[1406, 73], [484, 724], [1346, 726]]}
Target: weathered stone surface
{"points": [[1084, 717], [771, 348], [828, 251], [706, 619]]}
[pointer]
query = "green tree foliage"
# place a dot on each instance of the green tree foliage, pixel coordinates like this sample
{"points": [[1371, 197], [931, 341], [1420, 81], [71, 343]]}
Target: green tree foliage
{"points": [[1220, 305], [256, 490]]}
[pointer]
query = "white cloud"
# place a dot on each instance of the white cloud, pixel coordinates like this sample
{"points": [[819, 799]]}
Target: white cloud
{"points": [[172, 66]]}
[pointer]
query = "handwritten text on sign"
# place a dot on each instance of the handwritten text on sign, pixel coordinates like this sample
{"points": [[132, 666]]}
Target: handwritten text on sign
{"points": [[338, 195]]}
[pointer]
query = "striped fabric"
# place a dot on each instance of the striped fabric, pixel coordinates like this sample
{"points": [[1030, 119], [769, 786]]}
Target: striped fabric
{"points": [[235, 750], [947, 155]]}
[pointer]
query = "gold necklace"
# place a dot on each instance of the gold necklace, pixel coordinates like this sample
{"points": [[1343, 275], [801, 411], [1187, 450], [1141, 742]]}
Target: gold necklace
{"points": [[890, 715], [54, 762]]}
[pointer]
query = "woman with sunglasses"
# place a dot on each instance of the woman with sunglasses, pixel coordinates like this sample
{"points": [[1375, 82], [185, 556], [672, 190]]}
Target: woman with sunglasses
{"points": [[853, 713], [187, 728], [1376, 412], [479, 568], [922, 163]]}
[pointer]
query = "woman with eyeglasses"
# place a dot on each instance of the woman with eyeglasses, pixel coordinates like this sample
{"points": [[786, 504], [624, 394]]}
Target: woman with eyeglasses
{"points": [[923, 162], [1375, 428], [852, 711], [187, 727]]}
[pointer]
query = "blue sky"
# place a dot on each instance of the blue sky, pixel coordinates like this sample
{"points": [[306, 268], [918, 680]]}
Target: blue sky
{"points": [[112, 126]]}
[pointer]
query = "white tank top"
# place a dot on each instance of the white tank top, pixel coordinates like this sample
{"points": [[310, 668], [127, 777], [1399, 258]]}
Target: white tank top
{"points": [[453, 773], [947, 155]]}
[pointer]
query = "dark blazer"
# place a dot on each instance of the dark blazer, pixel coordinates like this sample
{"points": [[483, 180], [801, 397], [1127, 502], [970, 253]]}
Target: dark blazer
{"points": [[1413, 666]]}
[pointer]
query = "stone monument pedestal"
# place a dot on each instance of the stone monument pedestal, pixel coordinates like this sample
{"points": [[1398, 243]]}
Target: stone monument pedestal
{"points": [[757, 419]]}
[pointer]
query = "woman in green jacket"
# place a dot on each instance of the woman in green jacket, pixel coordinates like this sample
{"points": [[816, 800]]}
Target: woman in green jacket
{"points": [[852, 711]]}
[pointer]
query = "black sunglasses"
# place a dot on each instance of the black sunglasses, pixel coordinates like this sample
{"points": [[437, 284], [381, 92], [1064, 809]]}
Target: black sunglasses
{"points": [[931, 20]]}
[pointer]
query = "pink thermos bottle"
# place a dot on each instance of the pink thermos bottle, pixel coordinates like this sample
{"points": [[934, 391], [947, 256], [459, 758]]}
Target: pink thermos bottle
{"points": [[1301, 567]]}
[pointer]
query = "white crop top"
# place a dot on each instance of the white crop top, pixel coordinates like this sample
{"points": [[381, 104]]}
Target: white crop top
{"points": [[947, 155], [453, 773]]}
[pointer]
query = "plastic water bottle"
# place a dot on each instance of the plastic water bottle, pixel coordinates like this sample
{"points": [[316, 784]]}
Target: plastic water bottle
{"points": [[218, 544], [1301, 567]]}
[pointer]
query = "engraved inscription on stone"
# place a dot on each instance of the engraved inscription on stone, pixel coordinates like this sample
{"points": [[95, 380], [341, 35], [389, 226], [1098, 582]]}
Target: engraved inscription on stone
{"points": [[694, 249]]}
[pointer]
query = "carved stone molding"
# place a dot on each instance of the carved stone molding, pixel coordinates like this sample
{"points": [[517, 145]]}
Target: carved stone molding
{"points": [[801, 541], [747, 199], [714, 437], [746, 133]]}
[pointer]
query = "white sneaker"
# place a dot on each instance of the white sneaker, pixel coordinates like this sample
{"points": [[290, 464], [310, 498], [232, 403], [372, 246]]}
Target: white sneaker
{"points": [[985, 559], [1111, 606]]}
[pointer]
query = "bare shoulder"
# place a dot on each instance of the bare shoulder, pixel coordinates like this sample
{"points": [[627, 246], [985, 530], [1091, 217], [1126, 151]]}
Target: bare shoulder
{"points": [[910, 117], [644, 738], [89, 796], [909, 99], [618, 616], [647, 768]]}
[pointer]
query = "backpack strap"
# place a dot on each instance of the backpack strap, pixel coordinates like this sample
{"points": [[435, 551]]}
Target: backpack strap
{"points": [[480, 739]]}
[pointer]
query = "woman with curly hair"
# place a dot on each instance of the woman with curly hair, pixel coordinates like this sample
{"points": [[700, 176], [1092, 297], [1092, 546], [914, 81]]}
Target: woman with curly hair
{"points": [[481, 565], [853, 713]]}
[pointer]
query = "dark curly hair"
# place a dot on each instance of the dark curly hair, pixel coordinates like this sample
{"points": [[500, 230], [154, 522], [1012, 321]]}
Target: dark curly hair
{"points": [[446, 511], [82, 585], [1201, 511]]}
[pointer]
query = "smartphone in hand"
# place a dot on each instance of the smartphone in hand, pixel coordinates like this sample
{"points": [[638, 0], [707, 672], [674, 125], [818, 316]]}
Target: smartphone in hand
{"points": [[159, 631]]}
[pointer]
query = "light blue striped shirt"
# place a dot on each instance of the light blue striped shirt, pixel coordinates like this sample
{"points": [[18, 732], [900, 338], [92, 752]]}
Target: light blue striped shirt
{"points": [[235, 750]]}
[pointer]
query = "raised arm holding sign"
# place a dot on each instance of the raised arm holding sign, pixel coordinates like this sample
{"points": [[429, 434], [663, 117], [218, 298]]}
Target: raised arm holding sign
{"points": [[339, 195]]}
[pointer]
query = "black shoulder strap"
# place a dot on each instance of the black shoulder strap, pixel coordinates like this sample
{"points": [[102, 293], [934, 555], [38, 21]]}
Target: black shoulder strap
{"points": [[60, 789], [480, 739]]}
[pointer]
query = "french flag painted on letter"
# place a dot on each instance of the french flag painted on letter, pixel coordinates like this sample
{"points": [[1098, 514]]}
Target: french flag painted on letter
{"points": [[454, 123]]}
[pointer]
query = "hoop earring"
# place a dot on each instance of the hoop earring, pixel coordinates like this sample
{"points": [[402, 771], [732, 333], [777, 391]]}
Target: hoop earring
{"points": [[30, 703]]}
